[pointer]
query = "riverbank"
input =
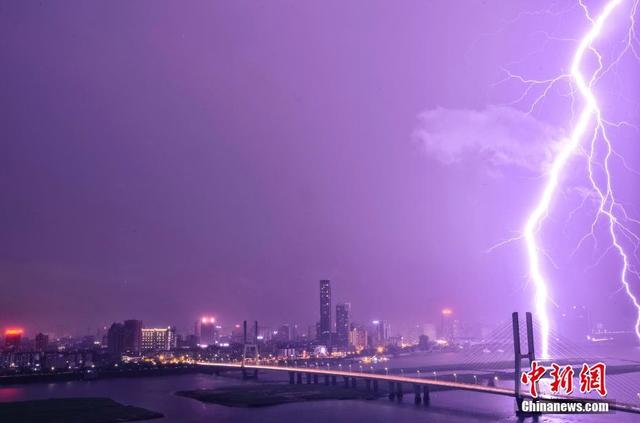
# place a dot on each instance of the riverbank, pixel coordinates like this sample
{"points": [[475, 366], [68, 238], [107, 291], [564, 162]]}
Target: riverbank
{"points": [[263, 395], [73, 410]]}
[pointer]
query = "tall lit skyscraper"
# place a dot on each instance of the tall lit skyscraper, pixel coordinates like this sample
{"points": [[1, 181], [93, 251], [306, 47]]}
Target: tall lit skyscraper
{"points": [[343, 317], [325, 312], [206, 330]]}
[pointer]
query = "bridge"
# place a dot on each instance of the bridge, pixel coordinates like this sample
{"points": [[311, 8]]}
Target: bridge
{"points": [[424, 380]]}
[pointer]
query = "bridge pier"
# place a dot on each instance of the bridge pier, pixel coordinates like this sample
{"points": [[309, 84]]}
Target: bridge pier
{"points": [[375, 386], [392, 390], [299, 378], [333, 379], [326, 379], [367, 382], [308, 378], [417, 390], [247, 374], [353, 382], [399, 391], [427, 397], [292, 378], [315, 378]]}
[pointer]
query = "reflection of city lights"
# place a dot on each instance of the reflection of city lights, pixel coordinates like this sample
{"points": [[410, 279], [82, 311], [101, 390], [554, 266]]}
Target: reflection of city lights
{"points": [[447, 312]]}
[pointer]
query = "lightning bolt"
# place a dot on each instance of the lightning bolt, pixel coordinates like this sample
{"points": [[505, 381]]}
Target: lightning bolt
{"points": [[589, 117]]}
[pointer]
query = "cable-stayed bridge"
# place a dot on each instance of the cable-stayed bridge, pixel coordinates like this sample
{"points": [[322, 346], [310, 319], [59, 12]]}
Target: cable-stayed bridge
{"points": [[492, 368]]}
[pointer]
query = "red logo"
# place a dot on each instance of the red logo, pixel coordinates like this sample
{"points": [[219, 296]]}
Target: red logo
{"points": [[592, 378]]}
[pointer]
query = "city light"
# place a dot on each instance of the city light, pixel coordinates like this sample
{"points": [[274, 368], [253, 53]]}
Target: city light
{"points": [[447, 312], [13, 331]]}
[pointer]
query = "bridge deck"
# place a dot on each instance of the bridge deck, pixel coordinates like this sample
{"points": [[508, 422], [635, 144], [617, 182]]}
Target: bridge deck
{"points": [[419, 381]]}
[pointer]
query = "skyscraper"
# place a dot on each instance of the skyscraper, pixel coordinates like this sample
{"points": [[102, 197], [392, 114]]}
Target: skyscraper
{"points": [[42, 342], [133, 335], [380, 333], [343, 317], [12, 338], [115, 338], [325, 312], [206, 330]]}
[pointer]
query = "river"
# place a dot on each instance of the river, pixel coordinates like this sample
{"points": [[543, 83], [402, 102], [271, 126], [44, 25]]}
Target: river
{"points": [[157, 394]]}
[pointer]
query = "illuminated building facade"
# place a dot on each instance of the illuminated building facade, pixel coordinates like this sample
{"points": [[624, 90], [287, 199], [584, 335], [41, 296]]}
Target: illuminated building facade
{"points": [[13, 338], [343, 319], [380, 334], [158, 339], [358, 338], [325, 312], [207, 331]]}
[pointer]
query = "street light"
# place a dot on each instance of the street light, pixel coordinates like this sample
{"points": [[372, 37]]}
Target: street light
{"points": [[386, 371], [475, 378], [455, 377], [435, 375]]}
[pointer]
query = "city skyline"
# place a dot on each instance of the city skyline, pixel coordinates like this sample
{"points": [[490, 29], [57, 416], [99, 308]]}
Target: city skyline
{"points": [[338, 318], [152, 172]]}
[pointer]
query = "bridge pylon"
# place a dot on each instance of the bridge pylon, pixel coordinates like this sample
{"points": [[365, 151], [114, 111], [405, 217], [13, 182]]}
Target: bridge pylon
{"points": [[518, 355], [250, 347]]}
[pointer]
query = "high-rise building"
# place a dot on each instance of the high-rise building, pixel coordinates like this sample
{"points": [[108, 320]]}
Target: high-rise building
{"points": [[13, 338], [133, 335], [115, 338], [447, 325], [158, 339], [207, 331], [343, 317], [283, 334], [430, 331], [358, 338], [380, 333], [42, 342], [325, 312]]}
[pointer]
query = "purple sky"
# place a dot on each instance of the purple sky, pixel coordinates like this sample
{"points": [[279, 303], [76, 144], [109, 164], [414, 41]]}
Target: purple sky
{"points": [[161, 160]]}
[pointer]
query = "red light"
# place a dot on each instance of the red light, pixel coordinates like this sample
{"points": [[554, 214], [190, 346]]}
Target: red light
{"points": [[13, 331]]}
